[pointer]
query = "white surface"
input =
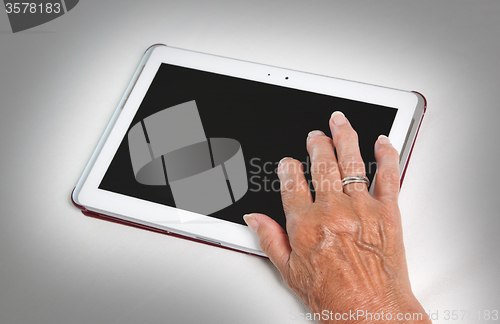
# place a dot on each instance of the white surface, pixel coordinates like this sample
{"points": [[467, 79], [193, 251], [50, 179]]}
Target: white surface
{"points": [[62, 80]]}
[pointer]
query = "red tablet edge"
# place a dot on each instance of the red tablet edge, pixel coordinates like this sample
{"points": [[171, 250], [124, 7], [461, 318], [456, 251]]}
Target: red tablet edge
{"points": [[116, 220], [415, 139]]}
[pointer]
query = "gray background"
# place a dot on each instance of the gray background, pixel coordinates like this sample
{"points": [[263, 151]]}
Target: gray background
{"points": [[61, 81]]}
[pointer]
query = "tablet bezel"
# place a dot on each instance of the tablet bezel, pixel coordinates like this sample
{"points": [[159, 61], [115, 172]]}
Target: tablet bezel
{"points": [[203, 227]]}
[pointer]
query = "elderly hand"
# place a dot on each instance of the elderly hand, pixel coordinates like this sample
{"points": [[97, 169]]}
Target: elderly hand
{"points": [[343, 254]]}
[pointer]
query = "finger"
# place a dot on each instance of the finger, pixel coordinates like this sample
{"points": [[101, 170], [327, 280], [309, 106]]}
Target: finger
{"points": [[295, 193], [345, 140], [324, 169], [272, 239], [387, 177]]}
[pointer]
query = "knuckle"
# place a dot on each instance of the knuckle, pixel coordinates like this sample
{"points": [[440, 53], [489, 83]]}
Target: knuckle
{"points": [[288, 186], [361, 201], [353, 134], [346, 135], [388, 176], [340, 224], [323, 164], [389, 151], [340, 136], [318, 143], [352, 164], [348, 226], [267, 243]]}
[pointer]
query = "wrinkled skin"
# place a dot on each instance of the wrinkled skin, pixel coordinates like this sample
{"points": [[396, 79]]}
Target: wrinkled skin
{"points": [[344, 251]]}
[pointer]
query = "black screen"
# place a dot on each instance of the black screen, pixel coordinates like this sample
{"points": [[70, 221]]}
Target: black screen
{"points": [[269, 122]]}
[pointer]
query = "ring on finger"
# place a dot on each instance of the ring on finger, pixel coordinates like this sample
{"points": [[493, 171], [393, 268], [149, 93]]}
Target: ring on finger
{"points": [[355, 179]]}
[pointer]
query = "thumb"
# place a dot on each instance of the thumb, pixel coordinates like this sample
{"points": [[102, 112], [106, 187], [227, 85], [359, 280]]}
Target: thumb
{"points": [[273, 240]]}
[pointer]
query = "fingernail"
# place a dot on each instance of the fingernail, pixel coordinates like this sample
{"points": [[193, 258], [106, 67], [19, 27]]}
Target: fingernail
{"points": [[338, 118], [283, 159], [382, 139], [251, 222], [315, 133]]}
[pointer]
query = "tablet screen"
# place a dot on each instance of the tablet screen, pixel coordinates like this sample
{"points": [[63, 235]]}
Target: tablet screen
{"points": [[210, 143]]}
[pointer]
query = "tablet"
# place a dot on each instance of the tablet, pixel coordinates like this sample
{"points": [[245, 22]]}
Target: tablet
{"points": [[195, 141]]}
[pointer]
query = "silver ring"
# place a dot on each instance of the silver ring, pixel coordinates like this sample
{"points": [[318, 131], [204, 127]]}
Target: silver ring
{"points": [[355, 179]]}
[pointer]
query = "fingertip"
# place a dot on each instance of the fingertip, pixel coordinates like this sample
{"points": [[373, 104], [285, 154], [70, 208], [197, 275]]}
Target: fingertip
{"points": [[315, 133], [251, 221], [261, 223], [383, 148], [338, 118], [382, 139], [289, 165]]}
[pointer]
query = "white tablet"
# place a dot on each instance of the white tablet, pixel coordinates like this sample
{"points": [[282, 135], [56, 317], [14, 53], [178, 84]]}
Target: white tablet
{"points": [[195, 141]]}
